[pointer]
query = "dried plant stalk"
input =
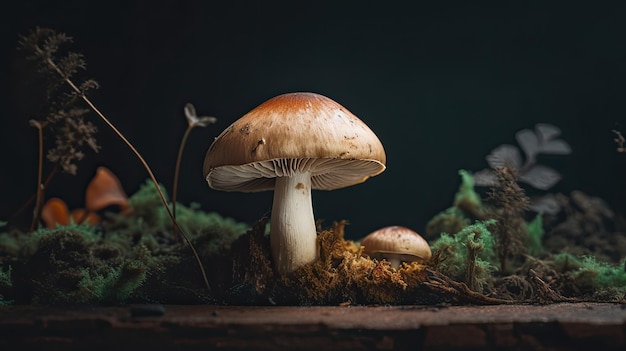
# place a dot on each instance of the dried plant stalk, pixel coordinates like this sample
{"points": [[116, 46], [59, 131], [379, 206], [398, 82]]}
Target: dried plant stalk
{"points": [[44, 51]]}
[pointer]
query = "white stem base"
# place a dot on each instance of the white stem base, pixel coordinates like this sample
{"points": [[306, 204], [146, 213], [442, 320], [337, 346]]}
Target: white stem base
{"points": [[394, 261], [293, 236]]}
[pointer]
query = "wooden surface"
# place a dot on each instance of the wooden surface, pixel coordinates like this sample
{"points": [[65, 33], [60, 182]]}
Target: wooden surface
{"points": [[582, 326]]}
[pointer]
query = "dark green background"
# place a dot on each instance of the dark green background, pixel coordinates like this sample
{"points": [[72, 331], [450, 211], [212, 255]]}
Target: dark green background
{"points": [[441, 83]]}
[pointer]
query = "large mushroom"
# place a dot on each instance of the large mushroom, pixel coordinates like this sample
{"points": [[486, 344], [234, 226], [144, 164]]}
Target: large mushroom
{"points": [[291, 144]]}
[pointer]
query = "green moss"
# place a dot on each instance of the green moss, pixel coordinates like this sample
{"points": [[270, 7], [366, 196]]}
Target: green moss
{"points": [[601, 275], [10, 244], [212, 232], [466, 197], [587, 278], [535, 235], [76, 264], [72, 264], [565, 262], [151, 223], [175, 276], [466, 256], [129, 257], [467, 204], [116, 286]]}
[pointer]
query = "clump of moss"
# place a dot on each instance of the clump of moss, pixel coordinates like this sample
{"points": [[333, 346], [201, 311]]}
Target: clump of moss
{"points": [[129, 257], [600, 280], [151, 224], [466, 256], [565, 277], [70, 264], [174, 277], [451, 221], [535, 232], [466, 198]]}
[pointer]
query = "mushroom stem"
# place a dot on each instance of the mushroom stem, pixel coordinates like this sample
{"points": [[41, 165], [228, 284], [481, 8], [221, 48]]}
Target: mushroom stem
{"points": [[394, 261], [293, 236]]}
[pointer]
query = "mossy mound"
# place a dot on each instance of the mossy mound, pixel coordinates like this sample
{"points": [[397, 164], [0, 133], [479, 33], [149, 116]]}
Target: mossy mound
{"points": [[341, 276], [136, 258], [127, 258]]}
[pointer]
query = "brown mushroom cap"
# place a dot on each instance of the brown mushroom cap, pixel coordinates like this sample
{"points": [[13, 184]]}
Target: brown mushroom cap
{"points": [[290, 133], [55, 212], [105, 190], [404, 243]]}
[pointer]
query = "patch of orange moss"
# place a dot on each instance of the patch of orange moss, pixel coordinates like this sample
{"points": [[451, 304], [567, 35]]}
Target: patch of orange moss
{"points": [[343, 275]]}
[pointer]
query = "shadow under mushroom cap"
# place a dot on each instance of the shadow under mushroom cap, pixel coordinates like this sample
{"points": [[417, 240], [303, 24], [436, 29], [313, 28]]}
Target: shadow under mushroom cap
{"points": [[326, 173]]}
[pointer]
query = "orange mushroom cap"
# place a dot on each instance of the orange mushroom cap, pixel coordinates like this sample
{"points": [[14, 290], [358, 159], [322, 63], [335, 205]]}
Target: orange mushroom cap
{"points": [[105, 190], [54, 212]]}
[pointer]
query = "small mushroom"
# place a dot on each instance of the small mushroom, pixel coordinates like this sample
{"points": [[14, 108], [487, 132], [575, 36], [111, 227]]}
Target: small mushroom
{"points": [[396, 244], [55, 212], [105, 190], [291, 144]]}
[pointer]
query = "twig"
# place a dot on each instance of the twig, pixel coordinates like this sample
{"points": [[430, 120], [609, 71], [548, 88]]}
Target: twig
{"points": [[40, 186], [176, 172]]}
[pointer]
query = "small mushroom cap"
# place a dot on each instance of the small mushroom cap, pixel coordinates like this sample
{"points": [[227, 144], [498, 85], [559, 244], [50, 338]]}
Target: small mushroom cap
{"points": [[295, 132], [105, 190], [396, 240], [55, 212]]}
